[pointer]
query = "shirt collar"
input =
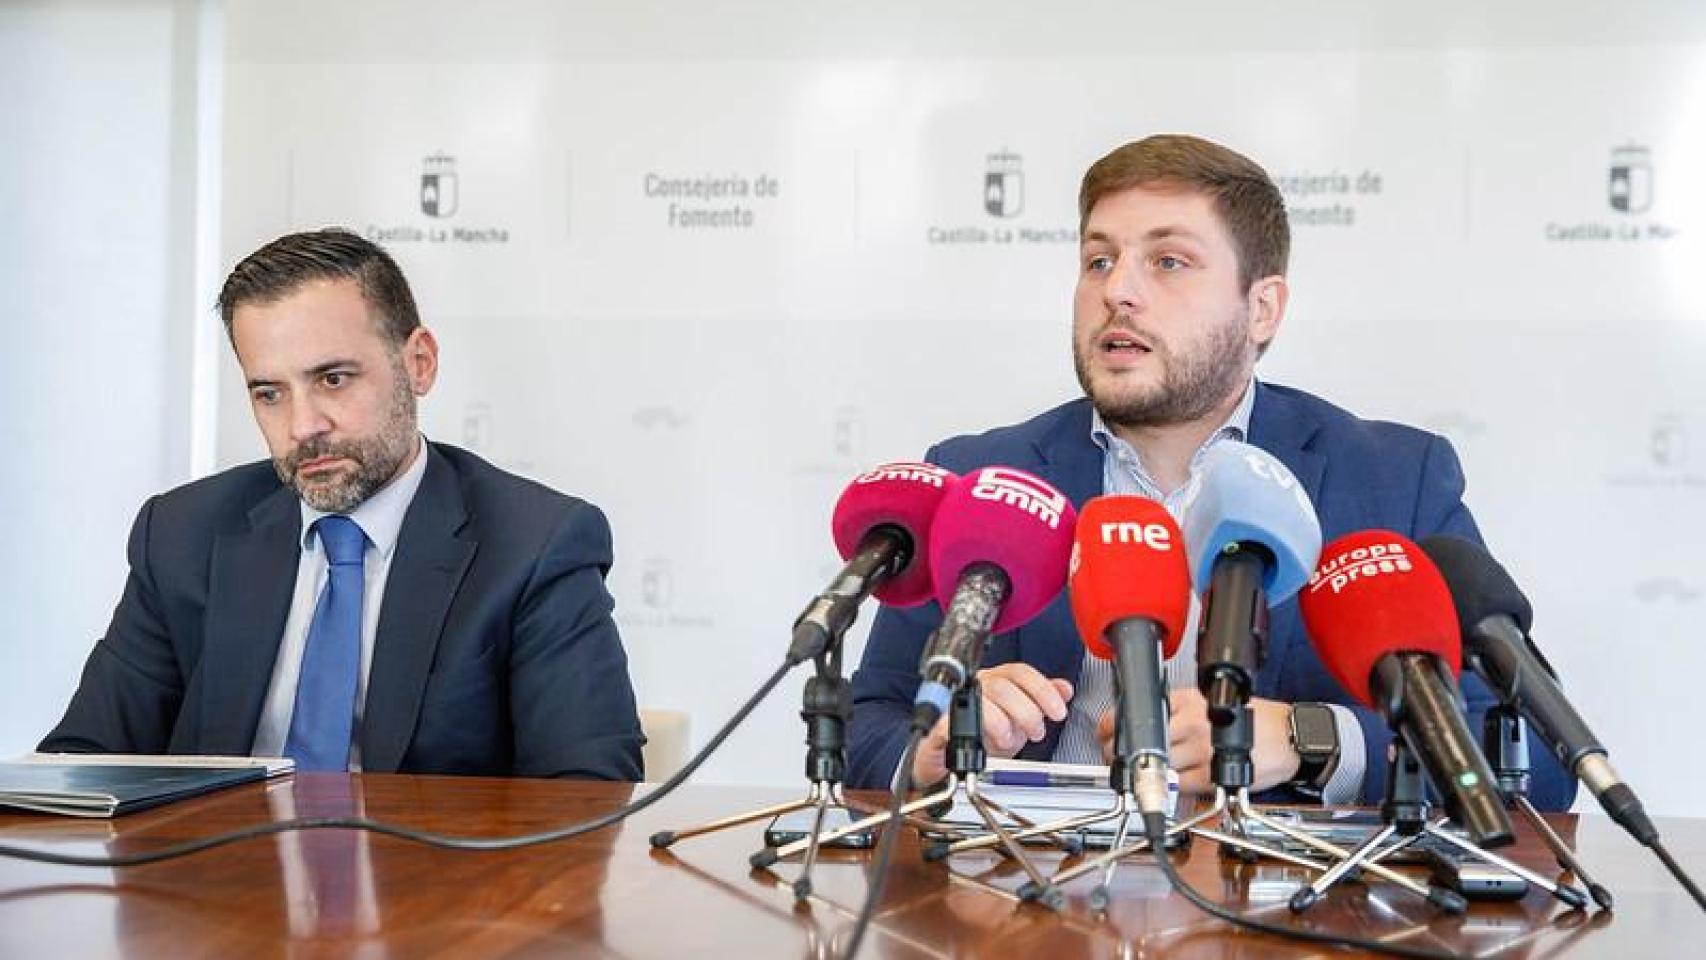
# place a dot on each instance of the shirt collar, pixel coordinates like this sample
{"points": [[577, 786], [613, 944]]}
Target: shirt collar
{"points": [[1236, 427], [381, 515]]}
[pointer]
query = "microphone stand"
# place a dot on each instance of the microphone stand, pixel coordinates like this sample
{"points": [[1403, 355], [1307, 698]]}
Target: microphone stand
{"points": [[827, 706], [1406, 814], [1121, 778], [966, 761], [1233, 771], [1504, 739]]}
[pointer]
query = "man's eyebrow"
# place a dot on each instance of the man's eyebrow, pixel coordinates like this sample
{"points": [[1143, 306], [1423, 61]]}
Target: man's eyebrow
{"points": [[1163, 232], [327, 366], [317, 370], [1169, 231]]}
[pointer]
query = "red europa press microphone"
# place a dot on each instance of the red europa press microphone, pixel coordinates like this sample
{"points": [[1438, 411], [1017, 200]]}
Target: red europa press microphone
{"points": [[998, 553], [881, 528], [1381, 619], [1131, 593]]}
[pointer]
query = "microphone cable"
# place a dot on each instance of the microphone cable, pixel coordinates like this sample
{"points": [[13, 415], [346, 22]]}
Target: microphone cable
{"points": [[426, 837], [885, 850], [1676, 871]]}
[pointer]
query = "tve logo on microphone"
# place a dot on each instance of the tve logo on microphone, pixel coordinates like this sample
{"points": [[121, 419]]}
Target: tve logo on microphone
{"points": [[1264, 468], [1361, 563], [1015, 489], [925, 473]]}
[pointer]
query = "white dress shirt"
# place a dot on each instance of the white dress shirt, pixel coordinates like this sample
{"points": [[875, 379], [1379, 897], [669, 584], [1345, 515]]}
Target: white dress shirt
{"points": [[1093, 695], [380, 517]]}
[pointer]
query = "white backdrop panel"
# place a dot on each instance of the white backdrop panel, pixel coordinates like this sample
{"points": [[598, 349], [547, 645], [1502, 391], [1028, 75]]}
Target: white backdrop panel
{"points": [[842, 295]]}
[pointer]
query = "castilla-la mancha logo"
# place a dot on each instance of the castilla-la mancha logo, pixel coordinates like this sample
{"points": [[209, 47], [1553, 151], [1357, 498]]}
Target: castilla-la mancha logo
{"points": [[1004, 185], [439, 193], [1630, 186]]}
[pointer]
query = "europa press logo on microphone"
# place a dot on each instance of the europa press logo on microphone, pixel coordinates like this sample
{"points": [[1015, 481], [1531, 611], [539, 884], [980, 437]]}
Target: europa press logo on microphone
{"points": [[1021, 491], [1362, 563]]}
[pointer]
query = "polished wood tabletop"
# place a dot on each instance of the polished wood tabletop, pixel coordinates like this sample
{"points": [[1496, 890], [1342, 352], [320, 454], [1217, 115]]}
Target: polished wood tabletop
{"points": [[349, 894]]}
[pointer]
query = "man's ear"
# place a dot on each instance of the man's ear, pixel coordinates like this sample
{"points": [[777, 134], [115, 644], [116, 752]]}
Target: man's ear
{"points": [[420, 360], [1266, 303]]}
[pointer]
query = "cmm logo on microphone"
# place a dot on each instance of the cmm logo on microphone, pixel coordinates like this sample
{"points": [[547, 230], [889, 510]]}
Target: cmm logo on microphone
{"points": [[926, 473], [1021, 491]]}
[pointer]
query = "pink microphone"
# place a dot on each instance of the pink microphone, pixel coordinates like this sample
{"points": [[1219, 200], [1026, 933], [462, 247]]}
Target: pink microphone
{"points": [[880, 527], [998, 551]]}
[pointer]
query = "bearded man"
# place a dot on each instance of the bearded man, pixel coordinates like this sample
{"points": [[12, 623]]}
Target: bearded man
{"points": [[368, 600], [1181, 288]]}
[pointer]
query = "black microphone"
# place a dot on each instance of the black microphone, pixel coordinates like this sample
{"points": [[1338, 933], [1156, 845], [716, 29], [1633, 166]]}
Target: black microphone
{"points": [[1495, 619]]}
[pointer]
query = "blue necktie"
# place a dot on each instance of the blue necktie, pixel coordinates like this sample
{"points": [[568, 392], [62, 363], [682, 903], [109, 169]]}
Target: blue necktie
{"points": [[325, 690]]}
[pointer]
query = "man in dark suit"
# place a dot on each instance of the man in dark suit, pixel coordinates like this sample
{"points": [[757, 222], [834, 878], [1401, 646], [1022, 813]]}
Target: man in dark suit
{"points": [[367, 599], [1181, 288]]}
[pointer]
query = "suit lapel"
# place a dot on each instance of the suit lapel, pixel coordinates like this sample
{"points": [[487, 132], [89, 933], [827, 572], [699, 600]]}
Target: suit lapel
{"points": [[250, 583], [1068, 458], [1282, 427], [426, 570]]}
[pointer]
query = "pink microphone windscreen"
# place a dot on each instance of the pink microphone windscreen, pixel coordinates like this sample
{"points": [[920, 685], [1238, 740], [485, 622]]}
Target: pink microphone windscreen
{"points": [[901, 495], [1011, 519]]}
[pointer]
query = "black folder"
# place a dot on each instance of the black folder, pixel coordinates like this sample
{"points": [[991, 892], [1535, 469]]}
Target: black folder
{"points": [[108, 790]]}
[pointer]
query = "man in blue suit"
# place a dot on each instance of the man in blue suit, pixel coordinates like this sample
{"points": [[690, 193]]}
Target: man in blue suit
{"points": [[367, 600], [1181, 288]]}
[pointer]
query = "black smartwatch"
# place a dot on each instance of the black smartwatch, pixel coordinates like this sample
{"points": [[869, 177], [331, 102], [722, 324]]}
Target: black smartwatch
{"points": [[1315, 737]]}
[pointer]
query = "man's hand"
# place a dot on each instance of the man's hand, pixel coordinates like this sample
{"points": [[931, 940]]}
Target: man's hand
{"points": [[1018, 701], [1191, 748]]}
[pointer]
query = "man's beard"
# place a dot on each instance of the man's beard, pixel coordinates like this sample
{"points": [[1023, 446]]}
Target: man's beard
{"points": [[376, 457], [1192, 385]]}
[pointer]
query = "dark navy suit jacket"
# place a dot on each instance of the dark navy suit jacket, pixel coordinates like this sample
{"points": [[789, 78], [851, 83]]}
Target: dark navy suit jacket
{"points": [[1360, 474], [495, 652]]}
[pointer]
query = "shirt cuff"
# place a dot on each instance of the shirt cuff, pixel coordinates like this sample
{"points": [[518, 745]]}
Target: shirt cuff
{"points": [[1345, 785]]}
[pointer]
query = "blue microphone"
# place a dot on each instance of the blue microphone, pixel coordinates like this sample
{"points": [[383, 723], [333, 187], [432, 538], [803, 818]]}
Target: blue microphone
{"points": [[1253, 540]]}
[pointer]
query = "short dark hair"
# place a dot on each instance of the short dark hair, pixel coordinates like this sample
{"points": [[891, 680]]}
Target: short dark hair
{"points": [[1249, 204], [281, 267]]}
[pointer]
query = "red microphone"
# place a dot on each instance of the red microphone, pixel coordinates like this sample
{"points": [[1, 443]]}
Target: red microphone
{"points": [[1131, 593], [881, 526], [998, 553], [1381, 619]]}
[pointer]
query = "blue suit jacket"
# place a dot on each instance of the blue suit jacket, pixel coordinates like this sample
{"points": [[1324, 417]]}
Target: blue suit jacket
{"points": [[495, 652], [1359, 474]]}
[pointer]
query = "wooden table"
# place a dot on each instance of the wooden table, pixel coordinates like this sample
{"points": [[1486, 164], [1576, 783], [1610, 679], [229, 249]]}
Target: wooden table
{"points": [[344, 894]]}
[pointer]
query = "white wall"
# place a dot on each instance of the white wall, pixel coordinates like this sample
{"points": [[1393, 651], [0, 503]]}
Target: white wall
{"points": [[710, 388], [97, 181]]}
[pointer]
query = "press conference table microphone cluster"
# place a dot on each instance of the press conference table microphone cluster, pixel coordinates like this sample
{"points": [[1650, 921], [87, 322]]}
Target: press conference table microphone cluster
{"points": [[1391, 621]]}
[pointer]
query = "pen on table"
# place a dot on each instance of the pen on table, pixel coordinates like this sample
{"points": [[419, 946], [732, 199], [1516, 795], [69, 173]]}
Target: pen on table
{"points": [[1040, 778]]}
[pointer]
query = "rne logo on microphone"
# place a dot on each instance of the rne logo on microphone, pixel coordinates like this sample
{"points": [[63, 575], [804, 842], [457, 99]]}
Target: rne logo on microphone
{"points": [[1363, 563], [1015, 489], [1152, 535], [925, 473]]}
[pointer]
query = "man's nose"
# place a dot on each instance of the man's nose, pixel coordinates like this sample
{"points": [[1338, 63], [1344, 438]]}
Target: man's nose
{"points": [[307, 420], [1123, 292]]}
